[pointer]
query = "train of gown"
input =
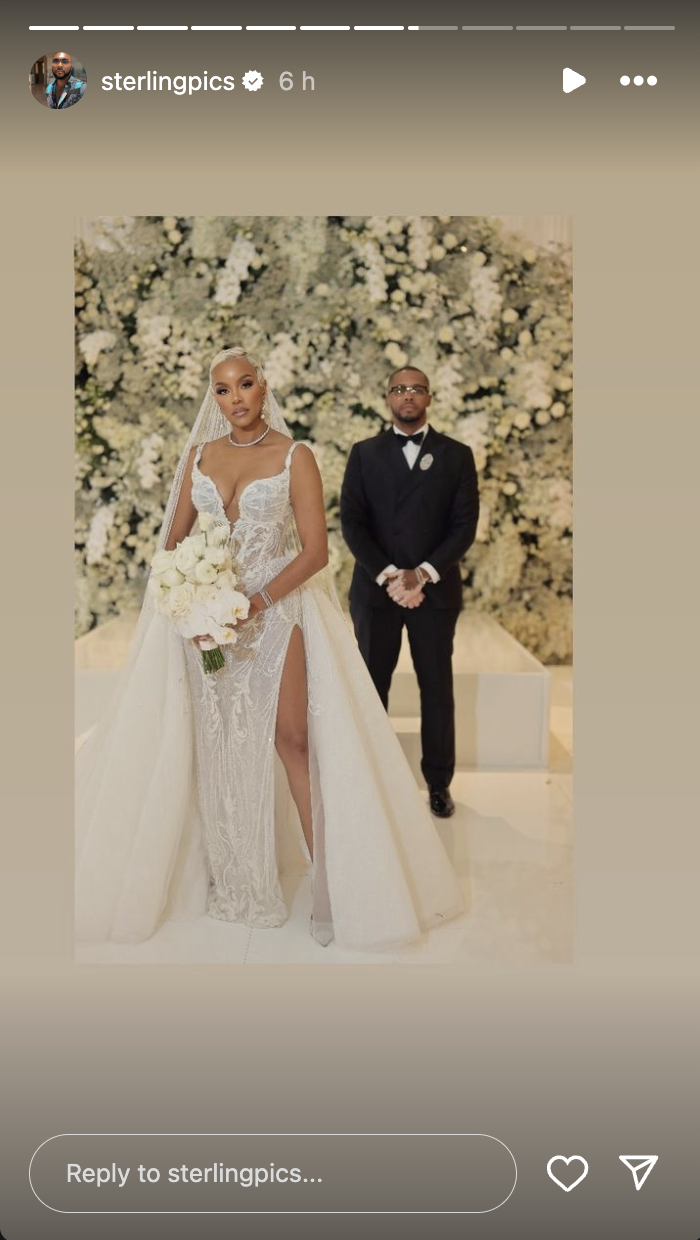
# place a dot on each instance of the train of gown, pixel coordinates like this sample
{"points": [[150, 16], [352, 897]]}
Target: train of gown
{"points": [[140, 852]]}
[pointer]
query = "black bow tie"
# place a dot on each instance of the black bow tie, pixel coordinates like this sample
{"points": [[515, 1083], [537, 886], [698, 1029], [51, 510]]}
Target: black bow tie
{"points": [[404, 439]]}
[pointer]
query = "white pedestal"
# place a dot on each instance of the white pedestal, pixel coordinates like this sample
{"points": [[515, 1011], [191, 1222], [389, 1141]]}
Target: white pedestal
{"points": [[501, 700]]}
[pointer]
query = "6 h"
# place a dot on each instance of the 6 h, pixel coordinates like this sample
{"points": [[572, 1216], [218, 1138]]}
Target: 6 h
{"points": [[287, 81]]}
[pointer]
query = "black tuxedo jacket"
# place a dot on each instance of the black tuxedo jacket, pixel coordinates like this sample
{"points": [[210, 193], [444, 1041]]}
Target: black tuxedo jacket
{"points": [[391, 514]]}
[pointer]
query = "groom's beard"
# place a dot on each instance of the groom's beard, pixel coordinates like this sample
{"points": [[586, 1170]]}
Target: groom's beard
{"points": [[410, 418]]}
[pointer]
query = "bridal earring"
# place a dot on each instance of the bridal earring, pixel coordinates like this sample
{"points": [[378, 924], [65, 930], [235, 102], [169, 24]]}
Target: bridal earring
{"points": [[264, 407]]}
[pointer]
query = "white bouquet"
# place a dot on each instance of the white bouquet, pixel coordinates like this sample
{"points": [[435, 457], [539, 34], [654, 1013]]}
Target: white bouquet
{"points": [[195, 586]]}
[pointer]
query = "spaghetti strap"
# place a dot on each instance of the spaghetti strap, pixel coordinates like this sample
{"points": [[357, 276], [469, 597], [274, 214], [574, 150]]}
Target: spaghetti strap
{"points": [[295, 444], [288, 457]]}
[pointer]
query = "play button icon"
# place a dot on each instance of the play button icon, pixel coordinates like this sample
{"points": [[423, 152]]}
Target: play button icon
{"points": [[572, 80]]}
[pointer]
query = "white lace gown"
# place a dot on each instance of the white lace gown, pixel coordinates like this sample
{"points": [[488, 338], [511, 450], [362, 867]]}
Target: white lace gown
{"points": [[180, 808]]}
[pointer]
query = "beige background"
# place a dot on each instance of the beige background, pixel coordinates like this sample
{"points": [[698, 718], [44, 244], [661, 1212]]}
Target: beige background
{"points": [[597, 1059]]}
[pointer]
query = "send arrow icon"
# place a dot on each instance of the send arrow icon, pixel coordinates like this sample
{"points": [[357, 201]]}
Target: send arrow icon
{"points": [[572, 80], [640, 1165]]}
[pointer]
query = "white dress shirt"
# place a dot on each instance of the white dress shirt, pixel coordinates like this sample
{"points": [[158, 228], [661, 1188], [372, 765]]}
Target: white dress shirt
{"points": [[410, 451]]}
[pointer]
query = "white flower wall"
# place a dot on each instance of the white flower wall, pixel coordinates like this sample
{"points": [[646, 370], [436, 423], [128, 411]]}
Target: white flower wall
{"points": [[331, 306]]}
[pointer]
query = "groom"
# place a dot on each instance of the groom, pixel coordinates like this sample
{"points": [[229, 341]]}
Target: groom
{"points": [[409, 509]]}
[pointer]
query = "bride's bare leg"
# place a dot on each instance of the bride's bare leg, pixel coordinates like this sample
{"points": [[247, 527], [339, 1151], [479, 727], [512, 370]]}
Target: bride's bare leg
{"points": [[292, 733]]}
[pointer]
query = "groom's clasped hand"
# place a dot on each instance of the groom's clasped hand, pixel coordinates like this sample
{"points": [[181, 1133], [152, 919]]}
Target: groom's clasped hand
{"points": [[404, 588]]}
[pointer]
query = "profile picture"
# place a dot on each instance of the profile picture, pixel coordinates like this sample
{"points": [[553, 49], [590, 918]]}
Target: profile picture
{"points": [[57, 80]]}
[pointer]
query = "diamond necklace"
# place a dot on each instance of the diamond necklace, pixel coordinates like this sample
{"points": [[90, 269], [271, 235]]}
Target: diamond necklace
{"points": [[247, 445]]}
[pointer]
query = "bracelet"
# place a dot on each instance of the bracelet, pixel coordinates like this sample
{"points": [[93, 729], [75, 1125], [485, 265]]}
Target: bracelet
{"points": [[266, 598]]}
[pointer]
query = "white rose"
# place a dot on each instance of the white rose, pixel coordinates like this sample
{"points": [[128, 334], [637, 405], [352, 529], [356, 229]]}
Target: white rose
{"points": [[542, 417], [206, 573], [522, 421], [322, 290], [510, 315], [438, 252], [226, 580], [446, 335], [525, 337], [449, 241], [218, 536], [558, 410], [509, 488], [162, 561], [181, 599], [479, 258], [398, 295], [205, 594], [216, 556], [530, 256], [185, 558], [195, 623], [169, 222], [506, 354], [206, 520], [172, 578], [198, 543], [564, 383]]}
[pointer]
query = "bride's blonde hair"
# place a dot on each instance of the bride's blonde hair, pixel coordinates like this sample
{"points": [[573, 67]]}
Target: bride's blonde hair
{"points": [[237, 351]]}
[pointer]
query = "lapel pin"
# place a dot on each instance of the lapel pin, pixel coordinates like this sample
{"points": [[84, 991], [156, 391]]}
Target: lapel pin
{"points": [[426, 461]]}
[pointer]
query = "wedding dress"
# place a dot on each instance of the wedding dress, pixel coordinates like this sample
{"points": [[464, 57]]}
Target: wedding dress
{"points": [[180, 807]]}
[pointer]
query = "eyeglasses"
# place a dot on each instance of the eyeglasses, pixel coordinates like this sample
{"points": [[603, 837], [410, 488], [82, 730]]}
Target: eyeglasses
{"points": [[57, 60], [418, 389]]}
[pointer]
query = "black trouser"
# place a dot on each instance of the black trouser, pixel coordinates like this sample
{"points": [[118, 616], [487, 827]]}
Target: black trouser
{"points": [[431, 640]]}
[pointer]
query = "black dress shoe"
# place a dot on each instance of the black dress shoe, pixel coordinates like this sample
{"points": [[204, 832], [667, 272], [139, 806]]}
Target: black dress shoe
{"points": [[441, 803]]}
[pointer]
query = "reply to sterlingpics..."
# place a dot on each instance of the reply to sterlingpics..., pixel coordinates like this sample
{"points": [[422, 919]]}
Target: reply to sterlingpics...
{"points": [[154, 81]]}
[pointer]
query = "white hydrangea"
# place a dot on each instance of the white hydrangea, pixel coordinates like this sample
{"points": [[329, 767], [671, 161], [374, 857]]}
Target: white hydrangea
{"points": [[522, 420], [537, 378], [98, 534], [281, 365], [238, 264], [378, 226], [560, 509], [95, 343], [395, 354], [420, 240], [152, 334], [474, 431], [448, 386], [370, 254], [146, 469], [487, 302]]}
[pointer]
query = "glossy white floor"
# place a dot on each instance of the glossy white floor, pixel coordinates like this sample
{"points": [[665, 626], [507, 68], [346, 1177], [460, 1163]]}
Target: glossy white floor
{"points": [[511, 843]]}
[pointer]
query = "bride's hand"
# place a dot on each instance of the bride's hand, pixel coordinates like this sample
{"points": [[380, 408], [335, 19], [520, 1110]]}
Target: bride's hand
{"points": [[202, 637]]}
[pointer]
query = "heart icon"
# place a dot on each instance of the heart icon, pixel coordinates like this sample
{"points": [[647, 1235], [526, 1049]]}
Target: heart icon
{"points": [[575, 1158]]}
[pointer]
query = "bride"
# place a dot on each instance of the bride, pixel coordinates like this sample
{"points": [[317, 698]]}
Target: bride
{"points": [[180, 810]]}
